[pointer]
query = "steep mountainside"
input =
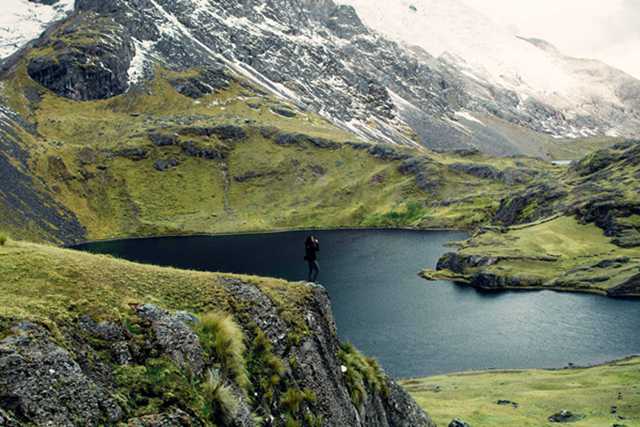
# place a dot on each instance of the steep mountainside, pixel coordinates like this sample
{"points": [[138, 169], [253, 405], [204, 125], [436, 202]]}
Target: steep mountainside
{"points": [[101, 139], [322, 58]]}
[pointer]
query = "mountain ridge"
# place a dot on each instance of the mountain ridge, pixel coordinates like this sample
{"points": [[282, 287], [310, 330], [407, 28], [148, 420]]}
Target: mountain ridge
{"points": [[332, 64]]}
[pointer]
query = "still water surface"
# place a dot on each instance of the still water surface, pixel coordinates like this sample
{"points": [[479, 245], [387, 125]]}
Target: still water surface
{"points": [[414, 327]]}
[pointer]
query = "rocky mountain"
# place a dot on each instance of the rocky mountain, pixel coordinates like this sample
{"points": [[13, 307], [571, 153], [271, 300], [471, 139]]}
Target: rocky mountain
{"points": [[321, 57], [135, 119]]}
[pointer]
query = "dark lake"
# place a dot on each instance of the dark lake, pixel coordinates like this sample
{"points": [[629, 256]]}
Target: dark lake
{"points": [[414, 327]]}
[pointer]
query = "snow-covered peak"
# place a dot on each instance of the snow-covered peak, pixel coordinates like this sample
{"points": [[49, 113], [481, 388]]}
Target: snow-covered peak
{"points": [[22, 21], [492, 52]]}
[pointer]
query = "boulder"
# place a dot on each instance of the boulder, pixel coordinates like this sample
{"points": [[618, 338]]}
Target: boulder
{"points": [[135, 154], [285, 112], [164, 165], [457, 422], [504, 402], [194, 149], [565, 416], [163, 140]]}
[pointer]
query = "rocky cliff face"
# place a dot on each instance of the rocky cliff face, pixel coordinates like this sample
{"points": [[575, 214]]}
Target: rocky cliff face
{"points": [[163, 368]]}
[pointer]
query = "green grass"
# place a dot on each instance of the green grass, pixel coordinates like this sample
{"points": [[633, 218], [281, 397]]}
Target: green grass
{"points": [[145, 389], [539, 393], [3, 239], [221, 405], [51, 285]]}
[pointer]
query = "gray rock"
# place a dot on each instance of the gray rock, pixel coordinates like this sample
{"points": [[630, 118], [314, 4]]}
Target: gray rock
{"points": [[457, 422], [565, 416], [82, 72], [173, 337], [41, 382], [504, 402], [173, 418], [208, 81], [164, 165], [163, 140], [477, 170], [135, 154], [283, 111], [223, 132], [544, 197], [301, 140], [194, 149]]}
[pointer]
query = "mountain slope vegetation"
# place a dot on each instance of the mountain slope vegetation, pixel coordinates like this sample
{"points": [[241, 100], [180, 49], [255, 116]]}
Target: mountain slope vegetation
{"points": [[154, 161], [579, 233]]}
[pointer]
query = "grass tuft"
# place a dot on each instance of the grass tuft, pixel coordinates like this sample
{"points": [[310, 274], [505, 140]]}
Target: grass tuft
{"points": [[222, 339], [3, 238], [363, 374], [221, 405]]}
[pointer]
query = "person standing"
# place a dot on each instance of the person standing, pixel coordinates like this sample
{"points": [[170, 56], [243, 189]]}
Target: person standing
{"points": [[311, 249]]}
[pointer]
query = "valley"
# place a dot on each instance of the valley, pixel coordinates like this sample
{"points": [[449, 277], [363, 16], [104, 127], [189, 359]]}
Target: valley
{"points": [[140, 122], [598, 396]]}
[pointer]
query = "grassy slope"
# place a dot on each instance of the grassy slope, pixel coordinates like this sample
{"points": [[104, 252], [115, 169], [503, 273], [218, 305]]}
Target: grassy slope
{"points": [[539, 393], [558, 251], [570, 250], [51, 285]]}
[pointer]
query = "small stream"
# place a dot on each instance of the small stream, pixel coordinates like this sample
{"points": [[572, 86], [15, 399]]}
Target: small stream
{"points": [[414, 327]]}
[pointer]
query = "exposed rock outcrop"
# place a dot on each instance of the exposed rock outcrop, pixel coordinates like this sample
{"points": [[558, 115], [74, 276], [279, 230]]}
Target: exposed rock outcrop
{"points": [[41, 383], [72, 67], [108, 372]]}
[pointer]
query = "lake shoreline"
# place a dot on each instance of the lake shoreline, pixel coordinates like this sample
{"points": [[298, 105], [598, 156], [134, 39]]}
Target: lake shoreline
{"points": [[433, 275], [611, 362], [371, 277], [264, 232]]}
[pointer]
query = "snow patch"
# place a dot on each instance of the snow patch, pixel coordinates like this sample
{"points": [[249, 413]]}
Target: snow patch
{"points": [[137, 68], [22, 21], [469, 117]]}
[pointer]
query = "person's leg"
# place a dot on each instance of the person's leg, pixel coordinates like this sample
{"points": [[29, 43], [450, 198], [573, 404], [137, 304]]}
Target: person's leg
{"points": [[316, 268], [310, 271]]}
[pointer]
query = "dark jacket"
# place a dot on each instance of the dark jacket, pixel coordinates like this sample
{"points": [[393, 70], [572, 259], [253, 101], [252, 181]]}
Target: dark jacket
{"points": [[311, 249]]}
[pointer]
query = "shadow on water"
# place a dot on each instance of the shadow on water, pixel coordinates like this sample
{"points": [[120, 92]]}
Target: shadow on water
{"points": [[412, 326]]}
